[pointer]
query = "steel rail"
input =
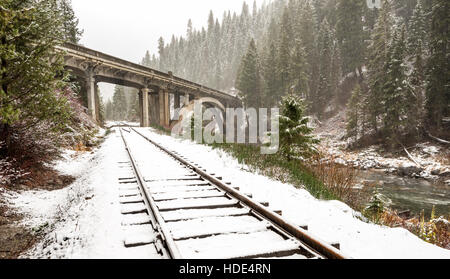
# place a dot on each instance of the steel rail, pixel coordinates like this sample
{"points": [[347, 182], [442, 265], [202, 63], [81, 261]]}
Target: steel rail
{"points": [[157, 220], [316, 243]]}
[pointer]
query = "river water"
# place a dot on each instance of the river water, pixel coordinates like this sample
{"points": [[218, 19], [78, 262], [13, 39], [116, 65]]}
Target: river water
{"points": [[406, 193]]}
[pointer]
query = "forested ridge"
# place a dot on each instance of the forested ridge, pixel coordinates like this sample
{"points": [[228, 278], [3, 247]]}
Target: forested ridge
{"points": [[395, 56]]}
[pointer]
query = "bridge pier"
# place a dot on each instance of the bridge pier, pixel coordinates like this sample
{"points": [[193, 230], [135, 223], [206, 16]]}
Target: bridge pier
{"points": [[90, 86], [164, 109], [176, 105], [176, 102], [153, 114], [144, 107], [186, 99]]}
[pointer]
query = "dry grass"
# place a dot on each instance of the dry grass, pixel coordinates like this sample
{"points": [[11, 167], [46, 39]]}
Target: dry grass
{"points": [[81, 147], [444, 158], [340, 180], [436, 231]]}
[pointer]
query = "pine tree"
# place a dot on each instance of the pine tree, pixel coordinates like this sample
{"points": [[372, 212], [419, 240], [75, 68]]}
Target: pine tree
{"points": [[249, 79], [325, 45], [354, 114], [336, 70], [70, 22], [404, 8], [162, 56], [417, 31], [271, 82], [350, 33], [395, 89], [416, 96], [109, 110], [29, 79], [133, 106], [378, 56], [119, 103], [146, 61], [295, 135], [438, 68], [284, 52], [307, 32], [298, 70]]}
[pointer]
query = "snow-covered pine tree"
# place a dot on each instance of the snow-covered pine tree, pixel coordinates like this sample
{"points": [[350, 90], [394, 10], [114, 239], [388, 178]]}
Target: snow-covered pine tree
{"points": [[350, 34], [162, 56], [325, 46], [354, 114], [298, 70], [70, 22], [284, 51], [416, 94], [417, 30], [295, 135], [307, 32], [377, 59], [395, 89], [270, 77], [109, 110], [438, 68], [336, 63], [119, 103], [30, 71], [249, 78], [404, 8]]}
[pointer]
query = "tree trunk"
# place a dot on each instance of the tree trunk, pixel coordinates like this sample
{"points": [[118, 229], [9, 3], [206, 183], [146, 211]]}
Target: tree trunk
{"points": [[5, 137]]}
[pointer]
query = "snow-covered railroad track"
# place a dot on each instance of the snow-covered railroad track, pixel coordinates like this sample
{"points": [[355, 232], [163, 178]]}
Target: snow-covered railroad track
{"points": [[189, 213]]}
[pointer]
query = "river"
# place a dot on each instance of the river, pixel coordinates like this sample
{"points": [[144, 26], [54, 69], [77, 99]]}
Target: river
{"points": [[406, 193]]}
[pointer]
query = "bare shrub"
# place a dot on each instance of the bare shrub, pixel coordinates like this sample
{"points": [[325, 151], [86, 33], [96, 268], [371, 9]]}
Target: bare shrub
{"points": [[9, 173], [340, 180], [33, 142], [435, 231]]}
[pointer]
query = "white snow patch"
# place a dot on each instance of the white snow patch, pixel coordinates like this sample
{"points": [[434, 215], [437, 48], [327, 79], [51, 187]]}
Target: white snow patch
{"points": [[83, 220], [333, 221]]}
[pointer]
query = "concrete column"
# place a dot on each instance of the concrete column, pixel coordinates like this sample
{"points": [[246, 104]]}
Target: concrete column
{"points": [[144, 115], [90, 86], [161, 98], [141, 118], [156, 110], [152, 108], [186, 99], [166, 110], [176, 106], [176, 101]]}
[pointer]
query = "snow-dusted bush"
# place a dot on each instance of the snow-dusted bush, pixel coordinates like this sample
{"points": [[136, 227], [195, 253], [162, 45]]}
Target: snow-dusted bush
{"points": [[9, 173], [34, 142]]}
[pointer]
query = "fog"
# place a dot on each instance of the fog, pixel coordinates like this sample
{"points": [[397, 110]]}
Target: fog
{"points": [[127, 29]]}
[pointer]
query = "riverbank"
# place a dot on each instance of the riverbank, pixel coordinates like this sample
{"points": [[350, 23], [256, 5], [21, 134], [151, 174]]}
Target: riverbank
{"points": [[426, 160]]}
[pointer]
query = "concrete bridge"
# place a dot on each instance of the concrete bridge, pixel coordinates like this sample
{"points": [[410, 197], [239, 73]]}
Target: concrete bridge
{"points": [[91, 67]]}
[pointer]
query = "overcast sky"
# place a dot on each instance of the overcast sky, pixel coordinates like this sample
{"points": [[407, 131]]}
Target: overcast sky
{"points": [[127, 28]]}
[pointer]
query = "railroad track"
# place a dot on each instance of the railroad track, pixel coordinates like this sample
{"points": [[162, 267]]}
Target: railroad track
{"points": [[189, 213]]}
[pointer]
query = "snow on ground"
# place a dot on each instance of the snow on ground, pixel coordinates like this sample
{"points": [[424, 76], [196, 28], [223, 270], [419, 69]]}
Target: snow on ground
{"points": [[82, 220], [330, 220]]}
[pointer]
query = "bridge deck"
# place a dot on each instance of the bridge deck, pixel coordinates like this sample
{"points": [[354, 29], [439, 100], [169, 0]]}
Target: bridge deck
{"points": [[97, 57]]}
